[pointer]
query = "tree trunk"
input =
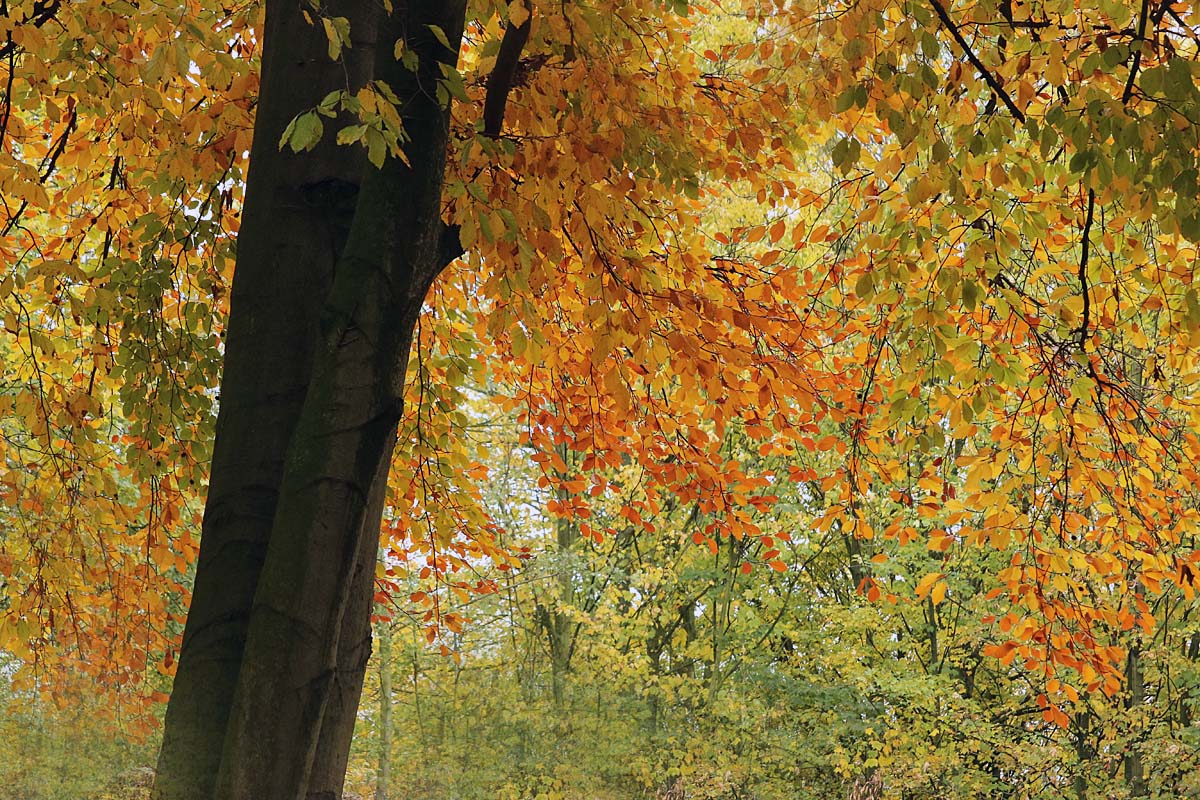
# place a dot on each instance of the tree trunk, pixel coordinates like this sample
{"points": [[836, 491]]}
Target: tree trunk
{"points": [[295, 220], [342, 444], [278, 632], [1084, 752]]}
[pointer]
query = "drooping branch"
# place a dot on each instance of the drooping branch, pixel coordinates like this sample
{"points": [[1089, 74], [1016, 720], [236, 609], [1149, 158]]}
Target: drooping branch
{"points": [[500, 81], [988, 77]]}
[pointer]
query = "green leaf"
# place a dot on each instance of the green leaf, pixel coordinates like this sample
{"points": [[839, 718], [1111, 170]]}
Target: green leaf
{"points": [[153, 69], [328, 104], [845, 153], [183, 60], [1179, 85], [510, 224], [440, 35], [1152, 80], [388, 93], [930, 46], [337, 30], [485, 227], [864, 287], [1114, 55], [1083, 388], [845, 100], [970, 294], [303, 132], [376, 147], [454, 83], [1189, 227], [351, 133]]}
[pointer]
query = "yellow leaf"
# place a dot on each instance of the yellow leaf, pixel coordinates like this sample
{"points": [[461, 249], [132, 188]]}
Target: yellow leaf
{"points": [[939, 592], [926, 583], [518, 13]]}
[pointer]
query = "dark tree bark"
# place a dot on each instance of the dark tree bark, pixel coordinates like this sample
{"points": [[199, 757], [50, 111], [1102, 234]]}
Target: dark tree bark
{"points": [[334, 262]]}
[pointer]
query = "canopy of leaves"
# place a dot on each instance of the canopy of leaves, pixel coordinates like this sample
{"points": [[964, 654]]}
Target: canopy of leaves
{"points": [[899, 274]]}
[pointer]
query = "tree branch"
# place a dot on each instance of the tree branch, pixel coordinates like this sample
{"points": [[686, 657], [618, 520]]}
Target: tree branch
{"points": [[8, 99], [51, 159], [450, 246], [988, 77], [501, 79], [1137, 55], [1083, 265]]}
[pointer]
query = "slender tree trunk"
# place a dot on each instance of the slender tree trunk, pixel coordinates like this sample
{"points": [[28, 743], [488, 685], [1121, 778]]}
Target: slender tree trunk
{"points": [[295, 220], [1135, 776], [560, 628], [384, 777]]}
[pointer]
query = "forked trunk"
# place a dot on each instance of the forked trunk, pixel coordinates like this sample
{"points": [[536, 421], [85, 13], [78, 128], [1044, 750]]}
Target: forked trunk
{"points": [[278, 634], [295, 219]]}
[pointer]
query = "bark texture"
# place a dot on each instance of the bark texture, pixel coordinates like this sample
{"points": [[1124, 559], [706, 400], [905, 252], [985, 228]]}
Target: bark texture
{"points": [[354, 650]]}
